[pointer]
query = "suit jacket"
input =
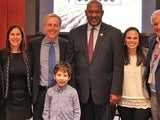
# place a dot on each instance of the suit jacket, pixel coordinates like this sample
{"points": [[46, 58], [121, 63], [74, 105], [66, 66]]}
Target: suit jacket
{"points": [[104, 75], [151, 44], [34, 48]]}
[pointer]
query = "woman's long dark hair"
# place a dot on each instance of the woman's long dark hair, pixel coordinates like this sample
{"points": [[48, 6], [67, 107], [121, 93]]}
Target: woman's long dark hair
{"points": [[22, 44], [139, 52]]}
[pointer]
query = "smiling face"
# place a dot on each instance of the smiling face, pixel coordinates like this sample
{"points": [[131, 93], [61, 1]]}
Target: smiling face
{"points": [[15, 38], [61, 78], [156, 23], [132, 40], [52, 28], [94, 13]]}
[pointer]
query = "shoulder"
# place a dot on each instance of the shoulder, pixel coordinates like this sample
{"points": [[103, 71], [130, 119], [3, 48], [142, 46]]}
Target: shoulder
{"points": [[2, 52], [153, 36], [145, 51], [79, 28], [151, 39], [110, 27], [2, 55], [36, 39], [51, 90], [71, 89], [62, 40]]}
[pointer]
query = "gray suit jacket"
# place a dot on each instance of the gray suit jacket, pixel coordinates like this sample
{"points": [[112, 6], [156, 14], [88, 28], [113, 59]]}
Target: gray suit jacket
{"points": [[104, 75], [34, 48]]}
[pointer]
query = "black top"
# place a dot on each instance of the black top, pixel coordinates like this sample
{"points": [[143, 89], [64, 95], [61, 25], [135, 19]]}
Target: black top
{"points": [[18, 91]]}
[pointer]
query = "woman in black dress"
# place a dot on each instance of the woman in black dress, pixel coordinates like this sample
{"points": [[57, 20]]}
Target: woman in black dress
{"points": [[16, 71]]}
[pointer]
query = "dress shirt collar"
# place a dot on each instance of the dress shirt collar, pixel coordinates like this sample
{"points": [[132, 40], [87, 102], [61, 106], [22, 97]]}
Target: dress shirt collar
{"points": [[47, 41], [96, 27], [61, 89]]}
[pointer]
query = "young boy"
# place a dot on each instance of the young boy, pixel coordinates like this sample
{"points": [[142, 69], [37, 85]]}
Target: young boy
{"points": [[61, 101]]}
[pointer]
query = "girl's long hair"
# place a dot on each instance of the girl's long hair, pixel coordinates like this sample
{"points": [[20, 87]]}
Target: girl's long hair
{"points": [[139, 52]]}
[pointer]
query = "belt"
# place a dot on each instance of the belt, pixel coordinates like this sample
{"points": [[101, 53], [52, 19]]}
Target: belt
{"points": [[43, 87]]}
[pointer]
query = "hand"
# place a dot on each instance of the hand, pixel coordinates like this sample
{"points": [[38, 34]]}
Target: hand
{"points": [[114, 99]]}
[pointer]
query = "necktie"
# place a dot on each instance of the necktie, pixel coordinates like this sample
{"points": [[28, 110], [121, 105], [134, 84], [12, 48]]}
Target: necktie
{"points": [[51, 65], [90, 45]]}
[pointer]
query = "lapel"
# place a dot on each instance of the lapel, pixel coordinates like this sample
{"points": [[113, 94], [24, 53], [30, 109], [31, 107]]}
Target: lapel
{"points": [[38, 47], [62, 47], [153, 42], [83, 39]]}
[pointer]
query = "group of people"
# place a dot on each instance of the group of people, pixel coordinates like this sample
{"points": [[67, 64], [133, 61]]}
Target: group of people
{"points": [[95, 72]]}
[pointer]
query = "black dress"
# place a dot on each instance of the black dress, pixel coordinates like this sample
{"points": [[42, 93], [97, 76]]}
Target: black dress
{"points": [[18, 105]]}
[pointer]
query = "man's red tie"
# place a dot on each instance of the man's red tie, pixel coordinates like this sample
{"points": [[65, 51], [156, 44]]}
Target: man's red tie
{"points": [[90, 45]]}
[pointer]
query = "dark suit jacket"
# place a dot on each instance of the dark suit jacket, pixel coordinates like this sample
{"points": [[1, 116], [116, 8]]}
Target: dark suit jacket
{"points": [[104, 75], [151, 44], [34, 48]]}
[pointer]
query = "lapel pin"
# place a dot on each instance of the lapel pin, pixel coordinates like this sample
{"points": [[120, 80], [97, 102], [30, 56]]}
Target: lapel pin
{"points": [[101, 34]]}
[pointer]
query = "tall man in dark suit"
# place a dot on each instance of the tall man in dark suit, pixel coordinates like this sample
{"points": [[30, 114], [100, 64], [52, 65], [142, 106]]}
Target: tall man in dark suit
{"points": [[39, 49], [153, 65], [98, 78]]}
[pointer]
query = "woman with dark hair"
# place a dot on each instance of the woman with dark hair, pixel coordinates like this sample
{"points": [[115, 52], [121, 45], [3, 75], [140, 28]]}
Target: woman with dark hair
{"points": [[134, 103], [16, 71]]}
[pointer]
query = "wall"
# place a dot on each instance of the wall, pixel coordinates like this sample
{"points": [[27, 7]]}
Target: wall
{"points": [[33, 12], [157, 4], [3, 22], [147, 8], [30, 12], [11, 12], [26, 13]]}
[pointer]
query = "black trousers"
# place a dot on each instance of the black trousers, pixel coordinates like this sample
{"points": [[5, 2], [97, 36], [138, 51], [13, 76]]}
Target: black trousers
{"points": [[91, 111], [39, 105], [134, 114], [2, 114]]}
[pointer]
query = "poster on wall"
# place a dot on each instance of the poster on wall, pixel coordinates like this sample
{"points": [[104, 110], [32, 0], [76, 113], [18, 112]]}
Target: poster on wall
{"points": [[118, 13]]}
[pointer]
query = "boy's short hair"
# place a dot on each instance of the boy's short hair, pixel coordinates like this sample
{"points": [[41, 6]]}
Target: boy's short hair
{"points": [[64, 67]]}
